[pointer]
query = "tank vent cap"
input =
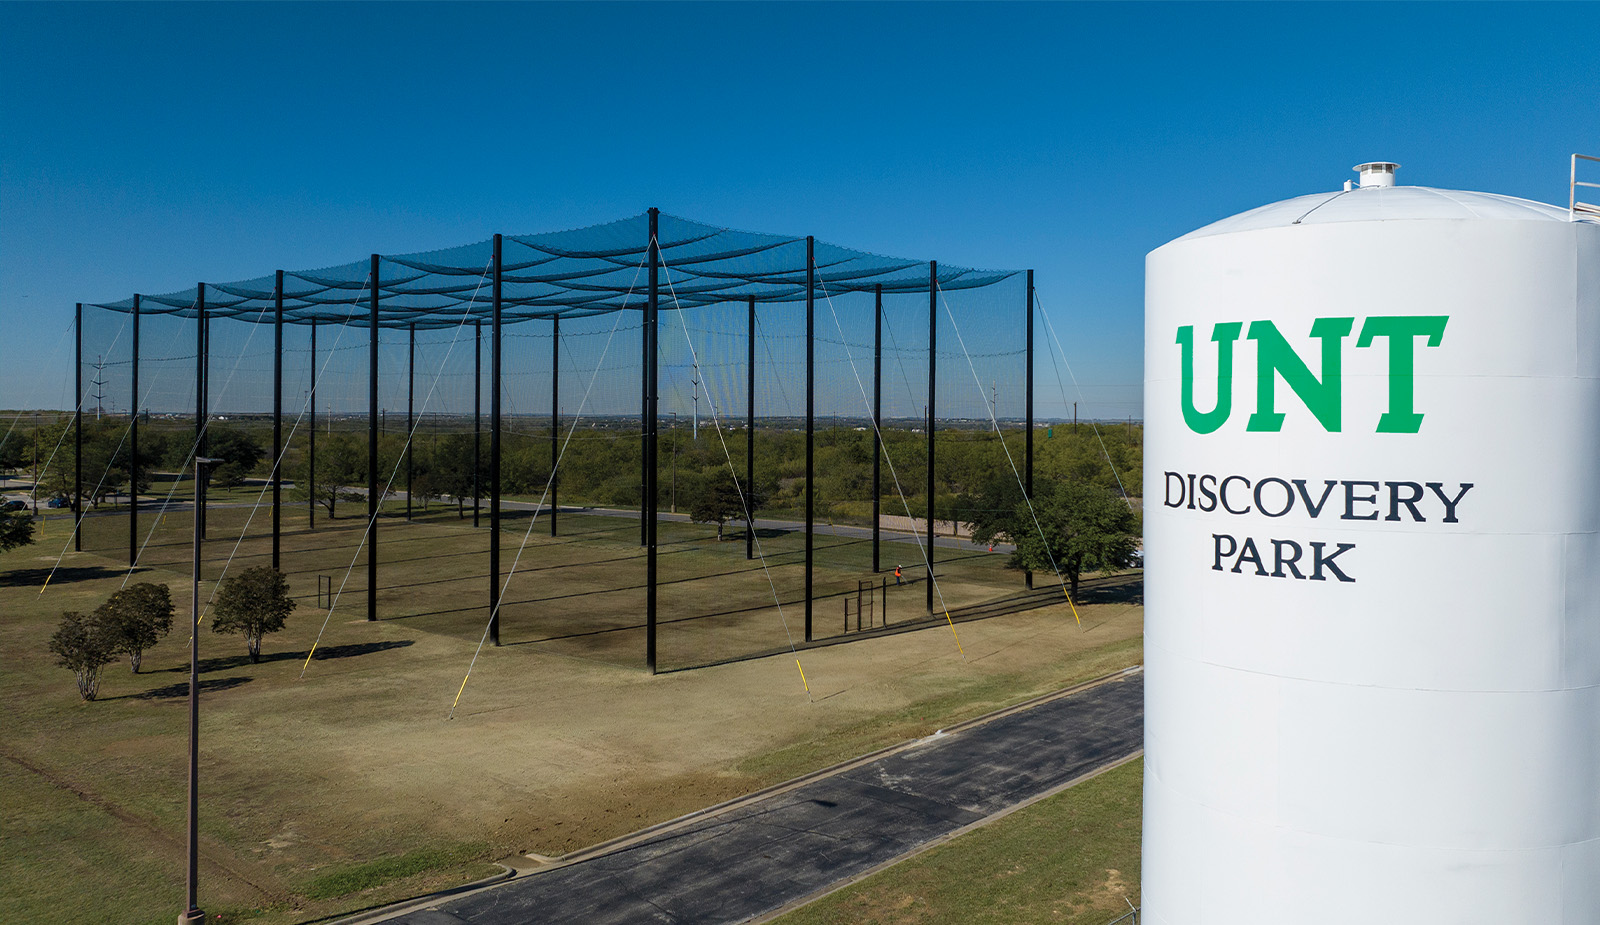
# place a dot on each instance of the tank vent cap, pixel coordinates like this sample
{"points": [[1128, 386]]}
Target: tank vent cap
{"points": [[1377, 173]]}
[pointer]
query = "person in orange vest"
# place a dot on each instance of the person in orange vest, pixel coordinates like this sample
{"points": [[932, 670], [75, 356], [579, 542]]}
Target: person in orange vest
{"points": [[897, 580]]}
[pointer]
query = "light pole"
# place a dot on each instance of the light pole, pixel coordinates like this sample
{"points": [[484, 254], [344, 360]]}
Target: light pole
{"points": [[674, 461], [192, 914]]}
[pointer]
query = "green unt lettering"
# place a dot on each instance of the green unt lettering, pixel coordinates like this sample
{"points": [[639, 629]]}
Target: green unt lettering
{"points": [[1402, 331], [1274, 357], [1224, 335], [1323, 397]]}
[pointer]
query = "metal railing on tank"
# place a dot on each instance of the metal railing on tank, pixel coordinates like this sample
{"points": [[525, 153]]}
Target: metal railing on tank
{"points": [[1574, 207]]}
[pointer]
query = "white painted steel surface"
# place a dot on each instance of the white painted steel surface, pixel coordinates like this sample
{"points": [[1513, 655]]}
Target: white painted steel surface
{"points": [[1420, 742]]}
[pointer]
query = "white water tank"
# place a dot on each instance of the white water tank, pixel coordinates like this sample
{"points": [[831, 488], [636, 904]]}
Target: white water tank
{"points": [[1372, 546]]}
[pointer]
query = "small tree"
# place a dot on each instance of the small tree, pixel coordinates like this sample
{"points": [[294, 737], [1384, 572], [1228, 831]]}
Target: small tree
{"points": [[449, 469], [1084, 527], [714, 498], [136, 618], [16, 529], [239, 451], [82, 644], [340, 465], [254, 602]]}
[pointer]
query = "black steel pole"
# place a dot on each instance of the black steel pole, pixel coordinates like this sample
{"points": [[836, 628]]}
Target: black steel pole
{"points": [[203, 435], [372, 448], [277, 418], [1027, 445], [877, 425], [477, 416], [311, 439], [192, 915], [644, 413], [77, 437], [199, 407], [933, 379], [750, 438], [555, 417], [811, 416], [494, 455], [133, 446], [651, 398], [411, 399]]}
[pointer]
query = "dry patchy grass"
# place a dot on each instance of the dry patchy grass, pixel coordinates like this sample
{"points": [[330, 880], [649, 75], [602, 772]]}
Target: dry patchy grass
{"points": [[349, 787]]}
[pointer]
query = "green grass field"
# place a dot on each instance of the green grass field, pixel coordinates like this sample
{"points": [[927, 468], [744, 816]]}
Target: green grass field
{"points": [[348, 787]]}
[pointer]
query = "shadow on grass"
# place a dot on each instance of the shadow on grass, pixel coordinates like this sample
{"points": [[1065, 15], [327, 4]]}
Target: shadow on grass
{"points": [[34, 577], [1123, 588], [181, 689], [230, 662]]}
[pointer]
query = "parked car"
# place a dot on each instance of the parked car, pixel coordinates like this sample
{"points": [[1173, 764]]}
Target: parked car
{"points": [[56, 502], [15, 506]]}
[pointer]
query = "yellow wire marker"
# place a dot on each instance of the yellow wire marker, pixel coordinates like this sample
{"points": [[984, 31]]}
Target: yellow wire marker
{"points": [[803, 679], [955, 634], [1068, 595]]}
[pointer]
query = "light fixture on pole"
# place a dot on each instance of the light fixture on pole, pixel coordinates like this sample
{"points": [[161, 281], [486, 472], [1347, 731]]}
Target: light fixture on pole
{"points": [[192, 914]]}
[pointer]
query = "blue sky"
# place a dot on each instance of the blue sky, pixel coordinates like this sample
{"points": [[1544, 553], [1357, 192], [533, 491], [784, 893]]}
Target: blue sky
{"points": [[145, 146]]}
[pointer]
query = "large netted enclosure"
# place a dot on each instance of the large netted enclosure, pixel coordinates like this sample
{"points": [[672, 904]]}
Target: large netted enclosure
{"points": [[650, 442]]}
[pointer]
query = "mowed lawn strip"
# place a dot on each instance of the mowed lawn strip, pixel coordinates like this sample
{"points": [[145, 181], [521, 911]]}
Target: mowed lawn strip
{"points": [[1072, 858]]}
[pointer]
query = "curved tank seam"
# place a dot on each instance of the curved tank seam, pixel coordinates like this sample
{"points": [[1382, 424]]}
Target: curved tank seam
{"points": [[1319, 205]]}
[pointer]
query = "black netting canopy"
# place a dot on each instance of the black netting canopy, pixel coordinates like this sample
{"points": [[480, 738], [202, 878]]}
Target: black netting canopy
{"points": [[585, 271]]}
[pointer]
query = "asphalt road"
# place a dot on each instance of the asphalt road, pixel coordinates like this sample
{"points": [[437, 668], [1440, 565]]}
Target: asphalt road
{"points": [[759, 856]]}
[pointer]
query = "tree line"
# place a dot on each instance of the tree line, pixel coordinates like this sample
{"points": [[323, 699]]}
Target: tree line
{"points": [[1081, 475]]}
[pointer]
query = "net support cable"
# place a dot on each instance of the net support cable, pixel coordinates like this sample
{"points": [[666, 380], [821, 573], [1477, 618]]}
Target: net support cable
{"points": [[77, 523], [555, 467], [744, 497], [77, 426], [200, 432], [260, 496], [1063, 386], [894, 477], [1017, 474], [50, 359], [400, 459]]}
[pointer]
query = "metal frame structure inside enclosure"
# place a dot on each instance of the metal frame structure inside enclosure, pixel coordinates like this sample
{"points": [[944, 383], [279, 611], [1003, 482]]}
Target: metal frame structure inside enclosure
{"points": [[547, 277]]}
